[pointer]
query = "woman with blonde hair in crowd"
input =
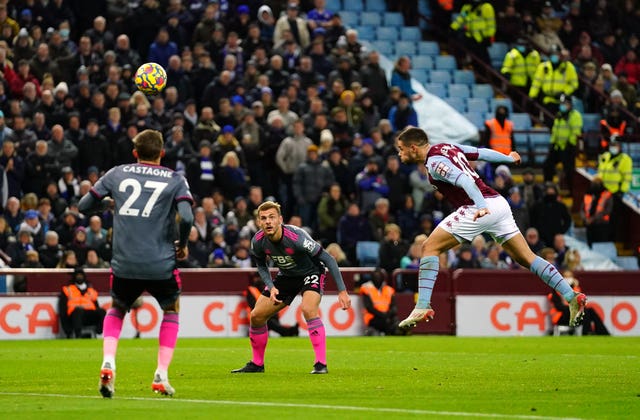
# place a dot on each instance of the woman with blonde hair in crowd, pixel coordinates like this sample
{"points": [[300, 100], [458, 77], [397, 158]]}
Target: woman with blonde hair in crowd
{"points": [[336, 252]]}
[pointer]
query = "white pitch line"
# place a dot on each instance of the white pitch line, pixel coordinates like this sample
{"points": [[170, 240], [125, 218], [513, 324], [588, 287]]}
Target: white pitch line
{"points": [[298, 405]]}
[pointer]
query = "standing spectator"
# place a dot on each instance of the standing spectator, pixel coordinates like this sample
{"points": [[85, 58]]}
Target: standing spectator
{"points": [[478, 21], [14, 169], [566, 130], [353, 228], [373, 77], [330, 209], [235, 181], [520, 64], [554, 78], [370, 185], [403, 114], [615, 168], [94, 150], [498, 132], [550, 216], [379, 218], [23, 138], [401, 78], [51, 251], [310, 180], [200, 171], [294, 23], [392, 248], [630, 66], [290, 154], [162, 48], [40, 169]]}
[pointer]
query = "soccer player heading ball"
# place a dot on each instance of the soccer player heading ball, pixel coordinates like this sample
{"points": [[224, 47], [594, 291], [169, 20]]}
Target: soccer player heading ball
{"points": [[480, 210], [301, 262], [147, 197]]}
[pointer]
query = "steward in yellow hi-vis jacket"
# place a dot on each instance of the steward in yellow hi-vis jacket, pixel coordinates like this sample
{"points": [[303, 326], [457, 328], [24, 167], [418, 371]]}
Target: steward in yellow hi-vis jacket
{"points": [[554, 78], [477, 19], [520, 64], [567, 128]]}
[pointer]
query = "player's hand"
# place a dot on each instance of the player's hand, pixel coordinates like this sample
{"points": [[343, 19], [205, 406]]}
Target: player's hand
{"points": [[344, 299], [182, 252], [516, 157], [273, 292], [481, 213]]}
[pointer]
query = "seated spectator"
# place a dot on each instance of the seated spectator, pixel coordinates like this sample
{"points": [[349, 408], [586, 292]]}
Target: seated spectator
{"points": [[78, 306], [572, 261], [492, 260], [68, 260], [549, 255], [630, 66], [610, 78], [32, 224], [17, 251], [412, 259], [352, 228], [466, 258], [519, 209], [533, 240], [380, 218], [378, 299], [94, 260], [338, 254], [96, 234]]}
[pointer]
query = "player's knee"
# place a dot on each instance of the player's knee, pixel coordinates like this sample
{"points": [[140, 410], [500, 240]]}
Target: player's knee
{"points": [[173, 307], [309, 311], [257, 319]]}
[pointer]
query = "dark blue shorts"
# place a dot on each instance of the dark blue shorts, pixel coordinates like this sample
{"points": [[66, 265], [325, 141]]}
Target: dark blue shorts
{"points": [[290, 286], [125, 291]]}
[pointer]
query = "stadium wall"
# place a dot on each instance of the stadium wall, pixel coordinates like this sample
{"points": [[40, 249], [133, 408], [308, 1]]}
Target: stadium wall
{"points": [[467, 303]]}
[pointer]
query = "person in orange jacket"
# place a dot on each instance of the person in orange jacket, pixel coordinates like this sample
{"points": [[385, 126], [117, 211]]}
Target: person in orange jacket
{"points": [[378, 300], [78, 306], [559, 312]]}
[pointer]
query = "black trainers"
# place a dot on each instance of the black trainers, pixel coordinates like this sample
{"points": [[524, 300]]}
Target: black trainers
{"points": [[319, 368], [249, 368]]}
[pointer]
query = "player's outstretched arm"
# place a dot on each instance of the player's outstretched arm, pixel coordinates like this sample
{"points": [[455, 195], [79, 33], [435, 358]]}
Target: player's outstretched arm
{"points": [[488, 155], [332, 265]]}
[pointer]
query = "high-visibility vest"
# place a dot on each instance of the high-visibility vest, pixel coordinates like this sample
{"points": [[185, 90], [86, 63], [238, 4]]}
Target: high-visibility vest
{"points": [[554, 313], [446, 5], [520, 68], [500, 139], [588, 202], [75, 298], [554, 82], [615, 171], [566, 130], [604, 142], [381, 299], [479, 23]]}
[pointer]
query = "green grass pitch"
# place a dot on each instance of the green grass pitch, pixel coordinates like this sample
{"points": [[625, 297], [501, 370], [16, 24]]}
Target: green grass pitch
{"points": [[369, 377]]}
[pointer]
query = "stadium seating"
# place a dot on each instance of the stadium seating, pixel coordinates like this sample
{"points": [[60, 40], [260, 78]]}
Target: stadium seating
{"points": [[521, 146], [410, 33], [464, 77], [428, 48], [591, 122], [334, 6], [476, 118], [393, 19], [405, 48], [421, 75], [370, 18], [440, 76], [366, 33], [607, 249], [482, 91], [353, 6], [350, 19], [627, 263], [367, 253], [386, 33], [383, 47], [459, 91], [422, 62], [497, 51], [437, 89], [539, 144], [494, 102], [478, 105], [456, 103], [375, 5], [446, 62], [521, 121]]}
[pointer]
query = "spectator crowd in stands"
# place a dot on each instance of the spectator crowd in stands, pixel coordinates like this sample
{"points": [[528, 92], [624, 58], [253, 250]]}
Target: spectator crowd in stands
{"points": [[277, 100]]}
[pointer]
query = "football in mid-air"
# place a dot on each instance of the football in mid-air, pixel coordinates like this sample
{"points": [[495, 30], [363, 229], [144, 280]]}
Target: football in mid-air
{"points": [[150, 78]]}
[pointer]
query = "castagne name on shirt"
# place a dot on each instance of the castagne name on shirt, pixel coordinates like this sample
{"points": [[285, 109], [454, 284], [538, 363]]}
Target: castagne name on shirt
{"points": [[148, 170]]}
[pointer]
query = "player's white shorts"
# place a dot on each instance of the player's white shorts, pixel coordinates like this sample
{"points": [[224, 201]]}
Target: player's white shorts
{"points": [[499, 223]]}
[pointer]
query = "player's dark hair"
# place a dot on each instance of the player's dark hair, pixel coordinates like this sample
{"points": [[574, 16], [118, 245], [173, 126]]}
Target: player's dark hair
{"points": [[268, 205], [148, 144], [413, 135]]}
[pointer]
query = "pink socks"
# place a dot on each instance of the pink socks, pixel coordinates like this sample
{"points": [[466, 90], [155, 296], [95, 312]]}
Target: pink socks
{"points": [[259, 337], [167, 340], [318, 339]]}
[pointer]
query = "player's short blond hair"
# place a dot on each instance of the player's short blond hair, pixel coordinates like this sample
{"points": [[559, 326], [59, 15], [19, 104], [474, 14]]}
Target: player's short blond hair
{"points": [[268, 205]]}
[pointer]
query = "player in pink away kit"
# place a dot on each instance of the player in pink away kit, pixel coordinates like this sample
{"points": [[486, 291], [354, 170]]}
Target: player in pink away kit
{"points": [[480, 209], [301, 263]]}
